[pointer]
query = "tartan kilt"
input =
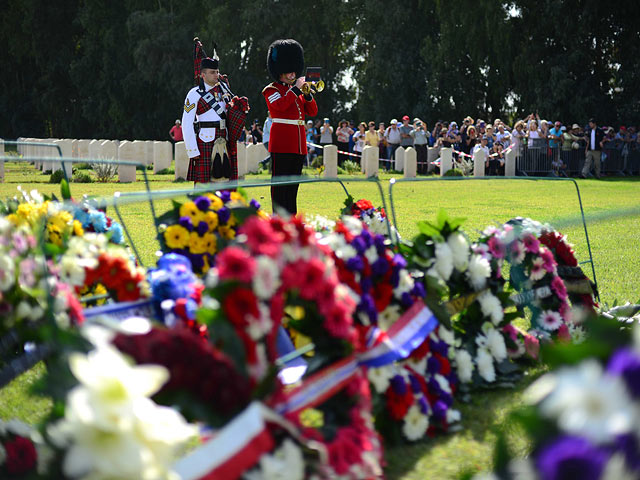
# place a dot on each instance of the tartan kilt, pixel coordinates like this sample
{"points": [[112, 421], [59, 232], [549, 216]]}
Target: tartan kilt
{"points": [[200, 167]]}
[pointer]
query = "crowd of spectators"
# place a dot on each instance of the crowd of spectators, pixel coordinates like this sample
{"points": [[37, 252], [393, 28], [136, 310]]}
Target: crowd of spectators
{"points": [[532, 134]]}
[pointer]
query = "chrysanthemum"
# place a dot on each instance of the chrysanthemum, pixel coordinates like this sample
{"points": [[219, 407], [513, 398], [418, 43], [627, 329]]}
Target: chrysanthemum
{"points": [[485, 365], [415, 424], [464, 365], [478, 271], [460, 250], [537, 271]]}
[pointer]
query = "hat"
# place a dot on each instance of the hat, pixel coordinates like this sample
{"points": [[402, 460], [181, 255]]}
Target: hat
{"points": [[343, 121], [285, 56], [453, 123], [178, 122], [406, 117], [484, 137], [563, 128], [482, 124], [394, 121], [622, 127], [309, 122], [558, 123], [610, 130], [201, 60], [574, 126]]}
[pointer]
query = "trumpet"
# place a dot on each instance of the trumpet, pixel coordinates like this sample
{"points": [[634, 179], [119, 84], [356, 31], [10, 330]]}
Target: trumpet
{"points": [[312, 87]]}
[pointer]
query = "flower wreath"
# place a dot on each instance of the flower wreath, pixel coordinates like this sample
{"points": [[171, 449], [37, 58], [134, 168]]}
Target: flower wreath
{"points": [[202, 226], [375, 218], [534, 274], [24, 452], [473, 291]]}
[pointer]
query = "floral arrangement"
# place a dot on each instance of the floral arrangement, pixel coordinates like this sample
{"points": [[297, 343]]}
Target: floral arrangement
{"points": [[534, 274], [202, 226], [375, 218], [472, 289], [582, 418], [94, 220], [23, 452], [278, 274]]}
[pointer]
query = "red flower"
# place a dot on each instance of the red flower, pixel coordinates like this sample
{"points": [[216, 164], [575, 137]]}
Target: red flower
{"points": [[445, 365], [239, 305], [364, 204], [339, 322], [345, 450], [262, 238], [398, 405], [304, 276], [21, 455], [421, 352], [75, 309], [382, 295], [344, 231], [235, 263]]}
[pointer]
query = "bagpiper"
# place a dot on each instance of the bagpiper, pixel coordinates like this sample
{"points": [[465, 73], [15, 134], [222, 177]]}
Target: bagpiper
{"points": [[288, 107], [212, 120]]}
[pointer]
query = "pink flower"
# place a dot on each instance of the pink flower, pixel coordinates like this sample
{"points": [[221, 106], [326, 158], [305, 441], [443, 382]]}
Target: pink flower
{"points": [[345, 450], [565, 311], [235, 263], [532, 346], [517, 252], [262, 238], [19, 242], [338, 320], [304, 276], [548, 259], [558, 286], [563, 333], [511, 331], [27, 275], [531, 243], [537, 269], [550, 320], [496, 247]]}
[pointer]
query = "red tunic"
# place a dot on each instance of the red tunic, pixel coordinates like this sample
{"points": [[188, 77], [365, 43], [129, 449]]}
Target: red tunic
{"points": [[284, 103]]}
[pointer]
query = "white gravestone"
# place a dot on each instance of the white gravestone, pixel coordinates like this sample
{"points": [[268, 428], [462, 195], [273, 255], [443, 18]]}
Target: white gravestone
{"points": [[83, 148], [410, 163], [242, 159], [371, 159], [182, 161], [129, 151], [162, 156], [432, 155], [510, 163], [479, 157], [1, 161], [94, 149], [66, 147], [330, 160], [446, 160], [148, 153], [400, 159]]}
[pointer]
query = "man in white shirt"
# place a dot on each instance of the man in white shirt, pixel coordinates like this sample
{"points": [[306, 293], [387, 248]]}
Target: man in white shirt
{"points": [[392, 135]]}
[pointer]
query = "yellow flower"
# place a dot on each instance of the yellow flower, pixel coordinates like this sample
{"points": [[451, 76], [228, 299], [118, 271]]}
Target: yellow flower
{"points": [[176, 236], [189, 209], [55, 235], [216, 202], [212, 220], [62, 220], [235, 196], [26, 213], [13, 218], [212, 243], [262, 214], [205, 264], [197, 244], [227, 232], [78, 231], [232, 222], [197, 218]]}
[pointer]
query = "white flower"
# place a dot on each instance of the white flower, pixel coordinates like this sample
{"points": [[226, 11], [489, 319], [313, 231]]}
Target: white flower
{"points": [[478, 271], [447, 336], [18, 428], [266, 279], [405, 283], [23, 310], [460, 250], [586, 402], [453, 416], [491, 307], [286, 463], [388, 316], [36, 313], [380, 377], [496, 345], [7, 273], [464, 365], [616, 469], [371, 254], [415, 423], [517, 252], [485, 476], [353, 224], [550, 320], [537, 271], [321, 224], [345, 252], [213, 278], [444, 261], [485, 365], [443, 383], [522, 469], [259, 327], [419, 365]]}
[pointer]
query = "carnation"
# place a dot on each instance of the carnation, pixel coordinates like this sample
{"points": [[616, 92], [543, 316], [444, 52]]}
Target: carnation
{"points": [[380, 377], [464, 365], [415, 423], [496, 345], [485, 365], [491, 307], [444, 261], [478, 271], [460, 250]]}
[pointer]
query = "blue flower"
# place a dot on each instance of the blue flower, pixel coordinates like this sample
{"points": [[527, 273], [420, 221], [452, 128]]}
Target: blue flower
{"points": [[440, 410], [399, 261], [571, 457], [203, 203], [398, 384], [415, 384], [366, 236], [418, 290], [185, 222], [98, 220], [380, 267], [116, 233], [203, 227], [359, 244], [355, 264], [424, 405], [626, 363], [82, 216], [223, 215], [433, 365], [225, 195], [255, 204]]}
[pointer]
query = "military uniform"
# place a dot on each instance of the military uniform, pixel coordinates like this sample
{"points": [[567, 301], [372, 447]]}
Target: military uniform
{"points": [[288, 108], [201, 126]]}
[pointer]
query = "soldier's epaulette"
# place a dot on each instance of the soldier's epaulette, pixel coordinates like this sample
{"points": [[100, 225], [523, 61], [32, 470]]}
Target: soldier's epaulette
{"points": [[271, 85]]}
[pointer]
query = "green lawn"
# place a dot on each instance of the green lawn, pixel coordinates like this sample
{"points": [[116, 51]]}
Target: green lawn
{"points": [[613, 219]]}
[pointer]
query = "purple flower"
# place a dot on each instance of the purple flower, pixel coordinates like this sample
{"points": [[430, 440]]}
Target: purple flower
{"points": [[398, 385], [571, 457], [415, 384], [366, 236], [440, 410], [255, 204], [395, 277], [380, 267], [197, 261], [446, 398], [434, 387], [440, 346], [423, 405], [378, 241], [355, 264], [626, 362], [418, 290], [399, 261], [366, 284], [203, 227], [406, 300], [433, 365], [368, 306], [359, 244], [630, 447], [225, 196], [203, 203], [185, 222], [223, 215]]}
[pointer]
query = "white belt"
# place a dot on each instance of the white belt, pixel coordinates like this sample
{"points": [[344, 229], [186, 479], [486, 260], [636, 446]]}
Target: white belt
{"points": [[288, 121]]}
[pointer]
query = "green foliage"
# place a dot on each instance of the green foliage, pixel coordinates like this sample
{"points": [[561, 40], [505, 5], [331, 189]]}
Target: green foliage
{"points": [[56, 177], [350, 167], [104, 172], [82, 166], [166, 171], [82, 177], [454, 172]]}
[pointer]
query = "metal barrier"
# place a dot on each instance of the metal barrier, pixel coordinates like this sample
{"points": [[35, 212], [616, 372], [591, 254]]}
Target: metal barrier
{"points": [[574, 160], [611, 161], [535, 158]]}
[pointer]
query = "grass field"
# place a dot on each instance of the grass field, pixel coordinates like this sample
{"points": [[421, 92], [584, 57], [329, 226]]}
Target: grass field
{"points": [[611, 206]]}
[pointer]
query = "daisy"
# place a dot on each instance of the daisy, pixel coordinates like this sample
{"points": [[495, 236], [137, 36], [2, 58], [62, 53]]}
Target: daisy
{"points": [[517, 252], [415, 423], [550, 320], [531, 243], [537, 271]]}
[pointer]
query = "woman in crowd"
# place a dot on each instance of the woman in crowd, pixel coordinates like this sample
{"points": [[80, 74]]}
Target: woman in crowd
{"points": [[533, 135], [372, 137], [359, 138], [470, 140], [420, 135], [491, 137], [382, 141], [343, 132], [517, 136], [326, 133]]}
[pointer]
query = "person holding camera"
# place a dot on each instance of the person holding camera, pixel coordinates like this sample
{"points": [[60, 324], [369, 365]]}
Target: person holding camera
{"points": [[288, 107], [420, 136], [495, 162]]}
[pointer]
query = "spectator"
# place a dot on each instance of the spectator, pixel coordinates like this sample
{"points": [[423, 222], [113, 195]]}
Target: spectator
{"points": [[392, 135], [359, 138], [570, 141], [311, 151], [491, 137], [420, 135], [266, 130], [442, 140], [544, 129], [382, 141], [469, 140], [406, 140], [495, 163], [371, 137], [436, 132], [593, 151], [256, 132], [533, 135], [326, 133], [481, 127], [317, 126], [517, 136], [176, 132], [503, 136], [354, 129], [482, 146], [343, 132], [555, 138]]}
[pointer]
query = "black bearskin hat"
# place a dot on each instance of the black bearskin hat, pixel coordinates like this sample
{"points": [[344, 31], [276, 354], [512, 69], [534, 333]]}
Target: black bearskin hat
{"points": [[285, 56]]}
